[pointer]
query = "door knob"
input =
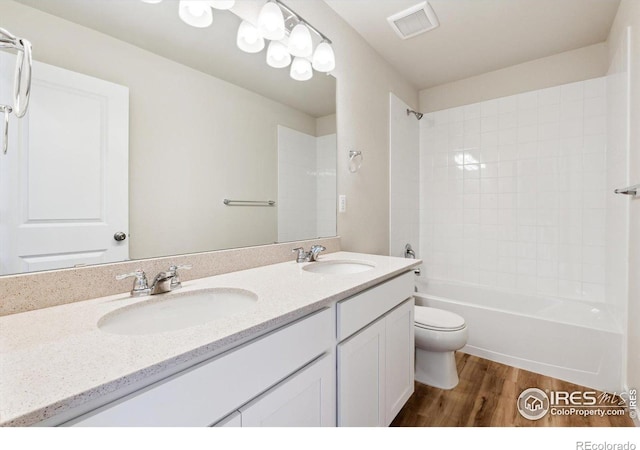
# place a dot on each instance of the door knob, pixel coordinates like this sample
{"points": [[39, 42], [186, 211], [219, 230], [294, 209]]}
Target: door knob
{"points": [[120, 236]]}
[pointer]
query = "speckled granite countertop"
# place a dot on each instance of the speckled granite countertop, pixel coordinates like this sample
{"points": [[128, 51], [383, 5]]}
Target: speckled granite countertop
{"points": [[56, 359]]}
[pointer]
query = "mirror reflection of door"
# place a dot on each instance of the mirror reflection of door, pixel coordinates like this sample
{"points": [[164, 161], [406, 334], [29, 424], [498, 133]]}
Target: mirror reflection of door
{"points": [[64, 180]]}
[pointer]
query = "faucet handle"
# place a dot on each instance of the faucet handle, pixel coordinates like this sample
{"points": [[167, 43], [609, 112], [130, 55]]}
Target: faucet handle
{"points": [[175, 280], [140, 285], [302, 255]]}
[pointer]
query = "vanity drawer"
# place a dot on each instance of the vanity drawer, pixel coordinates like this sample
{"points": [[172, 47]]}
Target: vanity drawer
{"points": [[362, 309], [207, 392]]}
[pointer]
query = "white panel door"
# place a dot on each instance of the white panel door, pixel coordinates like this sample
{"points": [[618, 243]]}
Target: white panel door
{"points": [[305, 399], [400, 351], [64, 181], [361, 377]]}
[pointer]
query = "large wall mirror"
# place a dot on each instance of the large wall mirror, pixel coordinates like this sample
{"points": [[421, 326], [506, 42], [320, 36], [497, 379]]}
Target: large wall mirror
{"points": [[140, 126]]}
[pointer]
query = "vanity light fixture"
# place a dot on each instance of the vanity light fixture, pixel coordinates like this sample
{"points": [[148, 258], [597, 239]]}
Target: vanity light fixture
{"points": [[290, 35], [274, 21], [300, 45]]}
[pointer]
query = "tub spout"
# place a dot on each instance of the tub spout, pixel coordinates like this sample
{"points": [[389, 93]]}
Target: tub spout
{"points": [[408, 252]]}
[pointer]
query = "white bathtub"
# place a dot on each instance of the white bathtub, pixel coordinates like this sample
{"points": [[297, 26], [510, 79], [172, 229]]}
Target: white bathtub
{"points": [[574, 341]]}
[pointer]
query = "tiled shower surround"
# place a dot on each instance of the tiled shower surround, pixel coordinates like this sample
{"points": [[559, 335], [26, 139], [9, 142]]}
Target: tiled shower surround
{"points": [[513, 192]]}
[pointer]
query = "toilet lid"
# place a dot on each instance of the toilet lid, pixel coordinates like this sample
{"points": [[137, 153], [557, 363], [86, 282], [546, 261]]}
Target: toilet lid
{"points": [[437, 319]]}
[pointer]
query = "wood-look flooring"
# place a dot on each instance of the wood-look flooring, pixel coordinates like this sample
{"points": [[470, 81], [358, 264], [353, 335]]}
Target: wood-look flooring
{"points": [[486, 397]]}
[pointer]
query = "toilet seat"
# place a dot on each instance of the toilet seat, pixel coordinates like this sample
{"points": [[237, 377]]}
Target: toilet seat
{"points": [[437, 319]]}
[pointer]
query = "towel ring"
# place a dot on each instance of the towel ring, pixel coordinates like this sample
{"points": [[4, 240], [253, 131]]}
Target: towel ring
{"points": [[355, 160], [22, 82]]}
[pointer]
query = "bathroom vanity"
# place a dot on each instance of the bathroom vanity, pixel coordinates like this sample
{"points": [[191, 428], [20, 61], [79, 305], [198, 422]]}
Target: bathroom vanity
{"points": [[326, 343]]}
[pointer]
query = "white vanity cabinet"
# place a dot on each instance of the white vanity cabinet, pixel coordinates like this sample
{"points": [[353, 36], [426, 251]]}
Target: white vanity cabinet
{"points": [[350, 364], [376, 353], [305, 399], [204, 394]]}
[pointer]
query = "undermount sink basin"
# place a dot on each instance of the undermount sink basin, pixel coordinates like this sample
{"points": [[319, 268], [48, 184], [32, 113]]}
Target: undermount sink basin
{"points": [[338, 267], [175, 311]]}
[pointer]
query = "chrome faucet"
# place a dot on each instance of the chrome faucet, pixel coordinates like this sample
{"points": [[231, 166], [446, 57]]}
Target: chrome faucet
{"points": [[311, 255], [165, 281], [315, 252]]}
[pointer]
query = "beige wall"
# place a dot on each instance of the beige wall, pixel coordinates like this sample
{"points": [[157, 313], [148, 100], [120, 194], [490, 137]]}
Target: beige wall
{"points": [[326, 125], [575, 65], [192, 136], [629, 16], [364, 83]]}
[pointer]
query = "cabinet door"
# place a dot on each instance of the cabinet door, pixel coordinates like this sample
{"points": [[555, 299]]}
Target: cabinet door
{"points": [[361, 367], [305, 399], [399, 342]]}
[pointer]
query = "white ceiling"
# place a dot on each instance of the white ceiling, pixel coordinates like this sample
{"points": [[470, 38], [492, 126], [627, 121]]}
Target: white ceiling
{"points": [[158, 29], [478, 36]]}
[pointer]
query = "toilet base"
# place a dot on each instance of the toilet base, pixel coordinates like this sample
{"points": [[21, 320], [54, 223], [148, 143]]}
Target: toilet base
{"points": [[437, 369]]}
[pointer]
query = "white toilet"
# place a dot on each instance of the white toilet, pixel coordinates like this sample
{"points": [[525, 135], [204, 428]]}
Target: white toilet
{"points": [[439, 334]]}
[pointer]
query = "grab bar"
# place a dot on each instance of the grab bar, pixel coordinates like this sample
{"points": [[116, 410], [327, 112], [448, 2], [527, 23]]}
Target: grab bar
{"points": [[228, 202], [631, 190]]}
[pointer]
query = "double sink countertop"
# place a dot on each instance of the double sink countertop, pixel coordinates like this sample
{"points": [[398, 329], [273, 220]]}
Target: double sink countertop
{"points": [[57, 359]]}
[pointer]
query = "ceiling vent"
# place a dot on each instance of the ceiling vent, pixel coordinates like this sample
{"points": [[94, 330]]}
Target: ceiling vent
{"points": [[414, 21]]}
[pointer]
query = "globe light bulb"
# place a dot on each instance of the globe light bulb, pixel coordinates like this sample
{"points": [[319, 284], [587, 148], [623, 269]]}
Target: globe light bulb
{"points": [[300, 43], [249, 38], [277, 55], [271, 22], [301, 69]]}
